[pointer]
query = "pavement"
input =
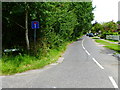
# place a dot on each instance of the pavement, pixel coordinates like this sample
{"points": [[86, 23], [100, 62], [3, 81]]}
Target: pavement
{"points": [[85, 64]]}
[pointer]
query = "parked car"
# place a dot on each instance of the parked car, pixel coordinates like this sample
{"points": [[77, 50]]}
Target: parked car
{"points": [[90, 34], [87, 34]]}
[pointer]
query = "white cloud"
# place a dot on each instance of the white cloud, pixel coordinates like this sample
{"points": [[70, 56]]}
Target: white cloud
{"points": [[106, 10]]}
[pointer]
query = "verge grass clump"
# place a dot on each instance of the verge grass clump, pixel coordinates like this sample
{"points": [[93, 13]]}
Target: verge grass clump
{"points": [[11, 64], [115, 47], [0, 66], [112, 40], [95, 37], [21, 63]]}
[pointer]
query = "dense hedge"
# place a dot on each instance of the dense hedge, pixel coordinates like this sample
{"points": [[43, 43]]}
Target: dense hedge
{"points": [[59, 22]]}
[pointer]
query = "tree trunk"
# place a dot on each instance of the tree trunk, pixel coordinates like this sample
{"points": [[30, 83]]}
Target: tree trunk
{"points": [[26, 26]]}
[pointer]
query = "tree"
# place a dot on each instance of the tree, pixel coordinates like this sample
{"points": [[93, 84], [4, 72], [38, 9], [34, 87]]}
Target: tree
{"points": [[96, 28], [59, 22], [26, 26]]}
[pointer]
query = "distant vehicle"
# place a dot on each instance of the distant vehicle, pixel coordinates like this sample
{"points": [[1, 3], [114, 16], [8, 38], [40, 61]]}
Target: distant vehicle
{"points": [[90, 34], [87, 34]]}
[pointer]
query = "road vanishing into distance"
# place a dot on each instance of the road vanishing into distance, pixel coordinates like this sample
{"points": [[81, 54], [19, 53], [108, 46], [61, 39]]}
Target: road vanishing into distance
{"points": [[86, 64]]}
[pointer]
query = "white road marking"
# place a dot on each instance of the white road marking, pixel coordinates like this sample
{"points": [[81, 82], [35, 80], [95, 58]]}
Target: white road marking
{"points": [[92, 58], [82, 43], [113, 82], [87, 52], [97, 63], [110, 77], [84, 48], [54, 87]]}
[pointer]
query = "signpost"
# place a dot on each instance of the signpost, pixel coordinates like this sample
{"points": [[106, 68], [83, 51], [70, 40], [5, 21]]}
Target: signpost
{"points": [[35, 25]]}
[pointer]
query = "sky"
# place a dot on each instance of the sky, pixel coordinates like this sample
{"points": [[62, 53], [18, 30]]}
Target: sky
{"points": [[106, 10]]}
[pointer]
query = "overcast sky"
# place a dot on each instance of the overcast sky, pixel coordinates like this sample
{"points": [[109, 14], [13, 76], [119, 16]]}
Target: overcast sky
{"points": [[106, 10]]}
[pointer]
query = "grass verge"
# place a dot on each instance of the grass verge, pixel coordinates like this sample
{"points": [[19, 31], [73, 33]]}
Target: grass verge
{"points": [[112, 40], [95, 37], [109, 45], [20, 63]]}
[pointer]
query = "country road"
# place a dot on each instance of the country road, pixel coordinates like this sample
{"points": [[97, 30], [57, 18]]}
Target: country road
{"points": [[85, 65]]}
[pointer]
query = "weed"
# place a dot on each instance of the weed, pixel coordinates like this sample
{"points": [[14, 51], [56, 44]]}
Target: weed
{"points": [[20, 63]]}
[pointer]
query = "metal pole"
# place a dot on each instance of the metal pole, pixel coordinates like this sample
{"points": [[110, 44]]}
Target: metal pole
{"points": [[35, 39]]}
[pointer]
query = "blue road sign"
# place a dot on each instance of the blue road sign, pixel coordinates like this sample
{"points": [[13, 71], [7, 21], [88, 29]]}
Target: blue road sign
{"points": [[35, 24]]}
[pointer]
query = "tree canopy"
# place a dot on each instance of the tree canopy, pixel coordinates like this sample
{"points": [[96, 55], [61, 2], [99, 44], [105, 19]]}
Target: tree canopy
{"points": [[59, 22]]}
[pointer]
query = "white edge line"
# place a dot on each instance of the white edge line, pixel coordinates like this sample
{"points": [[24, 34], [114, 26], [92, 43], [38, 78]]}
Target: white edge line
{"points": [[97, 63], [113, 82]]}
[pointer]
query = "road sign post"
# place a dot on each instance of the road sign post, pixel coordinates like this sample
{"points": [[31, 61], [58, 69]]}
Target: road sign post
{"points": [[35, 25], [35, 37]]}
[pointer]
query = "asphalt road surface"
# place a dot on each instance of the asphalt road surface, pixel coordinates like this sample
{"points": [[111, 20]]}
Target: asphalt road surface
{"points": [[85, 65]]}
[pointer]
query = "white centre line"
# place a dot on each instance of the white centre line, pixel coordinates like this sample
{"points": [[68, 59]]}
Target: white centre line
{"points": [[54, 87], [110, 77], [113, 82], [87, 52], [92, 58], [82, 43], [84, 48], [98, 63]]}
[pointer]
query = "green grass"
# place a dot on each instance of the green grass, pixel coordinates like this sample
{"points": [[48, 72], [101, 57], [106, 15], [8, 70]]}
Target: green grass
{"points": [[0, 67], [112, 40], [109, 45], [21, 63], [95, 38], [103, 42]]}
